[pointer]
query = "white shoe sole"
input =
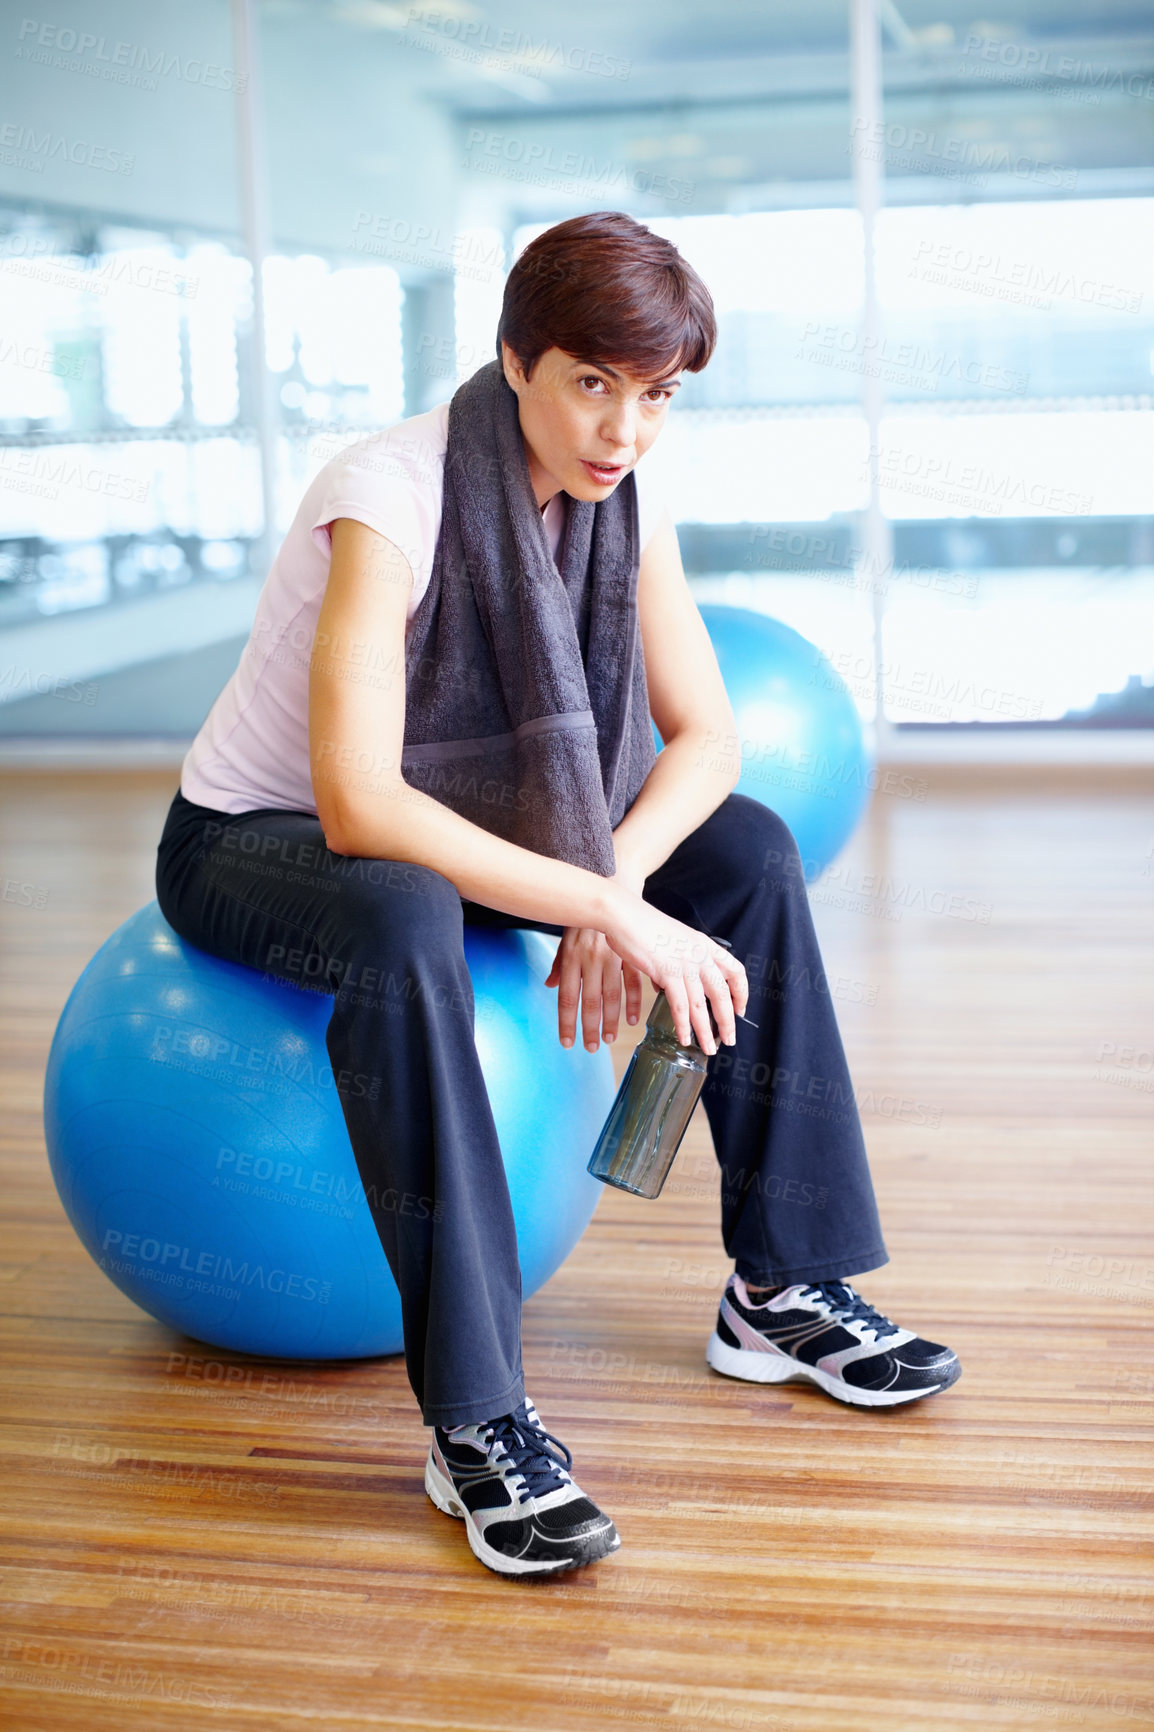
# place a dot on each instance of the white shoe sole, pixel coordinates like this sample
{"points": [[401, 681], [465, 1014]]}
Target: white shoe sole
{"points": [[777, 1367], [443, 1493]]}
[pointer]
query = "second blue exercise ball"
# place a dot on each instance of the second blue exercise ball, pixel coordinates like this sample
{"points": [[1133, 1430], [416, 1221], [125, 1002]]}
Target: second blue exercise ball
{"points": [[803, 752], [197, 1142]]}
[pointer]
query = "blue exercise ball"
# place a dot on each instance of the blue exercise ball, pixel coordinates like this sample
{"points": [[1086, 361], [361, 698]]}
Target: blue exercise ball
{"points": [[198, 1145], [803, 753]]}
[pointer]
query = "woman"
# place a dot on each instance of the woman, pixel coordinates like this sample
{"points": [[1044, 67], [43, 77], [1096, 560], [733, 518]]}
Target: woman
{"points": [[443, 714]]}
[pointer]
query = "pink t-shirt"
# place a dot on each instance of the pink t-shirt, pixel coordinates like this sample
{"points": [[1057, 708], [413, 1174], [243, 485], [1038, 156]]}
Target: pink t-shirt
{"points": [[252, 750]]}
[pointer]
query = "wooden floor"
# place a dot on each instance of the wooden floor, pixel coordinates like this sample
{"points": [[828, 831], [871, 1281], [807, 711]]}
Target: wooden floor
{"points": [[199, 1548]]}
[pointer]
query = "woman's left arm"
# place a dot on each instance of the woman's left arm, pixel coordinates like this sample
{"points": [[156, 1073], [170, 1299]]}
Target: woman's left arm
{"points": [[700, 760], [696, 769]]}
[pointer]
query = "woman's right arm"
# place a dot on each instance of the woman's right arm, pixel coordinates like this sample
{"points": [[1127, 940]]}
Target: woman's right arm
{"points": [[356, 733]]}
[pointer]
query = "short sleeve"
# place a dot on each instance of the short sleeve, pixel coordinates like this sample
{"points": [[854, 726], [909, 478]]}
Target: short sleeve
{"points": [[394, 482], [375, 490]]}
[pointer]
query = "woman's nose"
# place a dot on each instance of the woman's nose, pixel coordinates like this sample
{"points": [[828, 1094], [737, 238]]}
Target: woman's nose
{"points": [[619, 425]]}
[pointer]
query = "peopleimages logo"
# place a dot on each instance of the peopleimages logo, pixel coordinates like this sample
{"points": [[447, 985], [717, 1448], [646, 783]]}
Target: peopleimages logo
{"points": [[48, 44], [536, 161], [930, 152], [39, 256], [46, 472], [944, 261], [21, 146], [126, 1252], [171, 1042], [476, 39]]}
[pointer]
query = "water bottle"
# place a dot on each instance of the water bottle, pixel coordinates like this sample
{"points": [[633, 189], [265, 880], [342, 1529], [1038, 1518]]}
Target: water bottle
{"points": [[653, 1106]]}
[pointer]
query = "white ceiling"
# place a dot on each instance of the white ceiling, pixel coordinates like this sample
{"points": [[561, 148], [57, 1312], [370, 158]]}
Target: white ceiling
{"points": [[374, 107]]}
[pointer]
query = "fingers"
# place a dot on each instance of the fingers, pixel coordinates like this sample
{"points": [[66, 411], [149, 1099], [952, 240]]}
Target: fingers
{"points": [[706, 994], [705, 985], [590, 1000], [729, 993], [589, 979], [633, 992], [600, 990], [734, 971], [567, 967], [690, 1013], [610, 981], [699, 1014]]}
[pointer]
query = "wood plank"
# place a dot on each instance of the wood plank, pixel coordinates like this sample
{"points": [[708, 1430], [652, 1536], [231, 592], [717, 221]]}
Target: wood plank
{"points": [[195, 1538]]}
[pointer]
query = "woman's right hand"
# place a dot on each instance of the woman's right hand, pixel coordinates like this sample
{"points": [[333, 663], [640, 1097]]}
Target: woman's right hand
{"points": [[694, 971]]}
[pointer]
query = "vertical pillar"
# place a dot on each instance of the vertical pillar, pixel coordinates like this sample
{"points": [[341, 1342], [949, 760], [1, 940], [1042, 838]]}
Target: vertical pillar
{"points": [[252, 175], [867, 156], [428, 344]]}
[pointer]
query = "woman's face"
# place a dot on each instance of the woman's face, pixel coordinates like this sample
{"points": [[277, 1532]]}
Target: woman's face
{"points": [[585, 425]]}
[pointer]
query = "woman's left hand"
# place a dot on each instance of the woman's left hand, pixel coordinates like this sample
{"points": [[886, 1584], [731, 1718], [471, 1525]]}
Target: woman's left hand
{"points": [[588, 972]]}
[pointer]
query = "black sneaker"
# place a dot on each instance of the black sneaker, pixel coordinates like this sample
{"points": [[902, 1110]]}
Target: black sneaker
{"points": [[828, 1335], [522, 1512]]}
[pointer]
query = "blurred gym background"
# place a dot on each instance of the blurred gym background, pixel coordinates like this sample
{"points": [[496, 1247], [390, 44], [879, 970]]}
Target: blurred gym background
{"points": [[926, 443], [926, 439]]}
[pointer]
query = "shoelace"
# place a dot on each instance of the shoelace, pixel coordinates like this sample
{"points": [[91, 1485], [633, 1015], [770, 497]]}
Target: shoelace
{"points": [[527, 1446], [850, 1307]]}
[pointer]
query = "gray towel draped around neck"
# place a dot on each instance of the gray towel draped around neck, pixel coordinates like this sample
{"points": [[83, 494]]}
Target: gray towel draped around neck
{"points": [[503, 721]]}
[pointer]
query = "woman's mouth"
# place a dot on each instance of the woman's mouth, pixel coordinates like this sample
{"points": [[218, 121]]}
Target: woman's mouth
{"points": [[603, 473]]}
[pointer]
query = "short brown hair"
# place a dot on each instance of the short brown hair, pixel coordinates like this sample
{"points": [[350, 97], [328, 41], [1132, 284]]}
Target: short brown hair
{"points": [[606, 288]]}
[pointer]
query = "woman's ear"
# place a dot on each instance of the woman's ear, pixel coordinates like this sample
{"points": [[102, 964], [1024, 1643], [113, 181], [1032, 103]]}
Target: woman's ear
{"points": [[514, 372]]}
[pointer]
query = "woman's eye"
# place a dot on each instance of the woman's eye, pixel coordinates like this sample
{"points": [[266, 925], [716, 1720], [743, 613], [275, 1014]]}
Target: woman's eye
{"points": [[656, 393]]}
